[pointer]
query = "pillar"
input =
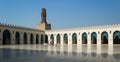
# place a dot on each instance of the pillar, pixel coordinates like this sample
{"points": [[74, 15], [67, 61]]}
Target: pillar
{"points": [[48, 39], [55, 39], [34, 39], [110, 42], [61, 39], [89, 39], [39, 38], [12, 37], [98, 38], [28, 42], [21, 38], [79, 39], [110, 38], [69, 39]]}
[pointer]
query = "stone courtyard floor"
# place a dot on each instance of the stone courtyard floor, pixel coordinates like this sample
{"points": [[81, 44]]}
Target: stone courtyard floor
{"points": [[59, 53]]}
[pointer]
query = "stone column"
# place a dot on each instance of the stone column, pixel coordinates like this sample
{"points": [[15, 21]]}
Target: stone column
{"points": [[78, 39], [89, 39], [99, 38], [12, 37], [39, 39], [21, 38], [110, 38], [61, 39], [28, 35], [55, 39], [69, 39], [110, 42], [44, 39], [34, 39], [81, 38], [48, 39]]}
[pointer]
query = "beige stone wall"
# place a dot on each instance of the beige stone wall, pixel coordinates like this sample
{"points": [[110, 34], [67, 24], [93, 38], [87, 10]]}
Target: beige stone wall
{"points": [[43, 26], [110, 29], [21, 30]]}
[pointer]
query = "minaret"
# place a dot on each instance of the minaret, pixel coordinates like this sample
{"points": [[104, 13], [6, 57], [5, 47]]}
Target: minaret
{"points": [[43, 15], [43, 25]]}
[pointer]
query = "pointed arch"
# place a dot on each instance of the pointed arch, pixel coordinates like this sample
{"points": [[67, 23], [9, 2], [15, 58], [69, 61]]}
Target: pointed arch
{"points": [[25, 38], [74, 38], [65, 38], [84, 38], [46, 38], [6, 37], [116, 37], [104, 37], [17, 38], [58, 39], [94, 38], [52, 37], [31, 38]]}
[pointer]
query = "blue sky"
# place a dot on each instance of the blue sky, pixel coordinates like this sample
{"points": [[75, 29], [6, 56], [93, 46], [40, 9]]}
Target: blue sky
{"points": [[60, 13]]}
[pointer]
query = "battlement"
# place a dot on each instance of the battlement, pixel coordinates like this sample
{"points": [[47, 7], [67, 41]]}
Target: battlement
{"points": [[17, 27], [90, 27]]}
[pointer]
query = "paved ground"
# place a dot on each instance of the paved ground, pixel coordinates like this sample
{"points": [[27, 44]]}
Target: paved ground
{"points": [[59, 53]]}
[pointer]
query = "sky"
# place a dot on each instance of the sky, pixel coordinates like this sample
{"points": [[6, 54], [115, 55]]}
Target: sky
{"points": [[60, 13]]}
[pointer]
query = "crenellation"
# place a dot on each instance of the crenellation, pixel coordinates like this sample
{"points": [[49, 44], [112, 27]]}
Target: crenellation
{"points": [[18, 27]]}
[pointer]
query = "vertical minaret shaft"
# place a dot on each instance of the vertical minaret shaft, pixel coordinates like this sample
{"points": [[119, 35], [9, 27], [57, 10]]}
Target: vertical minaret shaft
{"points": [[43, 16]]}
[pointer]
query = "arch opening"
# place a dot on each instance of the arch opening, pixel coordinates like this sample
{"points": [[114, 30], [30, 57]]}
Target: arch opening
{"points": [[93, 38], [6, 37], [41, 39], [46, 38], [37, 39], [25, 38], [104, 38], [74, 38], [58, 39], [17, 38], [52, 37], [84, 38], [116, 37], [31, 38], [65, 39]]}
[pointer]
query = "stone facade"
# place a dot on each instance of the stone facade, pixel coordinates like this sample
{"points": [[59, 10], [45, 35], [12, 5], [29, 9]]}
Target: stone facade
{"points": [[10, 31], [111, 32]]}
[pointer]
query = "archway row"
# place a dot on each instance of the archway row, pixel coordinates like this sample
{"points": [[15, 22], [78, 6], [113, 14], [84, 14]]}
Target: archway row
{"points": [[7, 38], [104, 38]]}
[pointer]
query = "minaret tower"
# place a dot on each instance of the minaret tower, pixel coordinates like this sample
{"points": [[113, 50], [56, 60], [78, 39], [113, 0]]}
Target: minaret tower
{"points": [[43, 16], [43, 25]]}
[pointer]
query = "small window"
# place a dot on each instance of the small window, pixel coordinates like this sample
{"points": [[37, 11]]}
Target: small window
{"points": [[98, 32], [110, 32]]}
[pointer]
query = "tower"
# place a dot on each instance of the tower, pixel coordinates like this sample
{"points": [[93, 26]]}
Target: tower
{"points": [[43, 15], [43, 25]]}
